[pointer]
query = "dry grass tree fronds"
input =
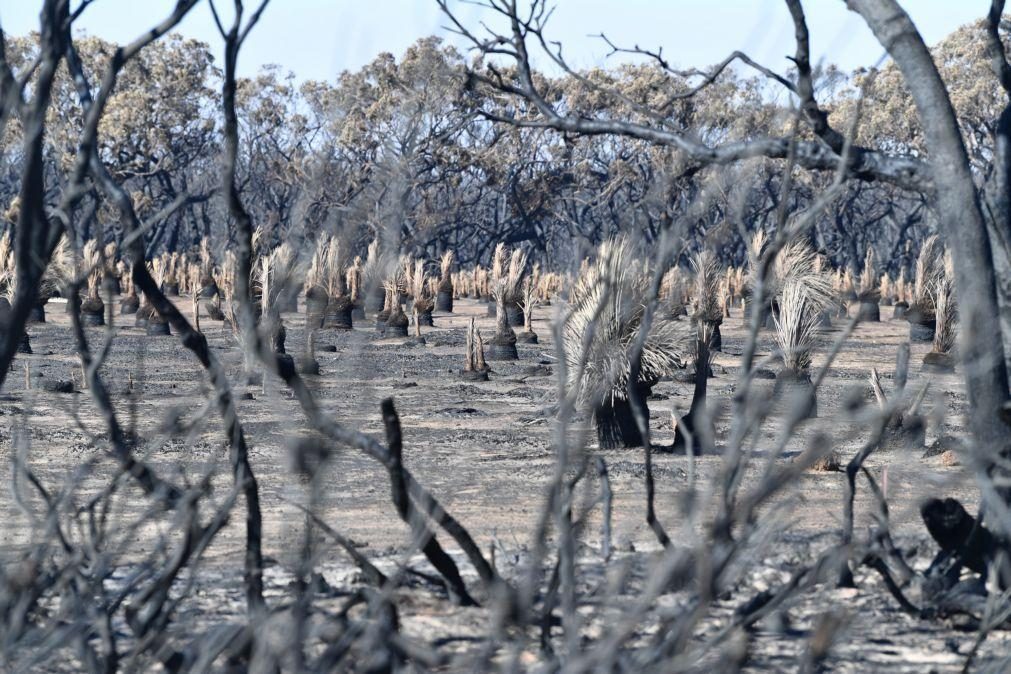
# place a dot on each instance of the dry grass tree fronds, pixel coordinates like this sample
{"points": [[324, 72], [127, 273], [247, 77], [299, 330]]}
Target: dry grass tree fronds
{"points": [[605, 313], [945, 308], [8, 286], [7, 269], [797, 263], [111, 253], [848, 285], [275, 269], [206, 258], [445, 276], [419, 288], [902, 288], [315, 277], [396, 321], [927, 272], [91, 267], [63, 256], [482, 282], [183, 275], [517, 265], [61, 267], [498, 264], [673, 289], [259, 246], [867, 284], [284, 268], [404, 273], [757, 246], [195, 273], [334, 263], [529, 299], [500, 291], [354, 280], [886, 288], [725, 297], [6, 252], [946, 316], [838, 283], [229, 306], [797, 327], [706, 283], [547, 286], [756, 252], [266, 272], [93, 270], [374, 271], [468, 354], [172, 268], [728, 285], [157, 269], [226, 277]]}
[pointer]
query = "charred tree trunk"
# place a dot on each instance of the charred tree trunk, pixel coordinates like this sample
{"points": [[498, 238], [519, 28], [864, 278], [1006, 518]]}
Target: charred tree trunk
{"points": [[961, 219]]}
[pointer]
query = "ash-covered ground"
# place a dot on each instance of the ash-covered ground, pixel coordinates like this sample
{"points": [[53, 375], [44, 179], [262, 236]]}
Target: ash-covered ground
{"points": [[486, 451]]}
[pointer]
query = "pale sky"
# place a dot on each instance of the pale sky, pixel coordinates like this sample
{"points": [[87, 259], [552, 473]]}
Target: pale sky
{"points": [[317, 39]]}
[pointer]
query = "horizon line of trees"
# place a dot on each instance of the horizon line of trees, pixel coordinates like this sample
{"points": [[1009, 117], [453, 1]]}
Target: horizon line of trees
{"points": [[400, 149]]}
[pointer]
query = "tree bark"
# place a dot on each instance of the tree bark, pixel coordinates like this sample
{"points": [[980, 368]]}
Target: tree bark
{"points": [[961, 219]]}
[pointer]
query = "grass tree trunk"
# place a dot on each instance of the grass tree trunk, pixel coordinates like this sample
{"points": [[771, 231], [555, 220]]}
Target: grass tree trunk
{"points": [[615, 423], [503, 344], [697, 414]]}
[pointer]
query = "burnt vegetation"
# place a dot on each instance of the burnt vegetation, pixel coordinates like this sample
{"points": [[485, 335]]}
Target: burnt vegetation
{"points": [[680, 370]]}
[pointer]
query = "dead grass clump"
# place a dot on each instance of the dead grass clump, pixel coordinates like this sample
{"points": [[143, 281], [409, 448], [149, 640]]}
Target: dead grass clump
{"points": [[445, 292], [396, 322], [940, 357], [869, 289], [529, 299], [797, 330], [421, 290], [922, 312], [92, 306]]}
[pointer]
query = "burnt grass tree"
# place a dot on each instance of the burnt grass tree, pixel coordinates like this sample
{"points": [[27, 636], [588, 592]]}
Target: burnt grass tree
{"points": [[606, 309], [708, 305], [81, 595], [445, 294], [922, 312], [975, 234]]}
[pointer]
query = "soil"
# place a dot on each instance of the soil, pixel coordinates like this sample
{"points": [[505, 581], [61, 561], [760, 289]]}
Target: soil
{"points": [[485, 450]]}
